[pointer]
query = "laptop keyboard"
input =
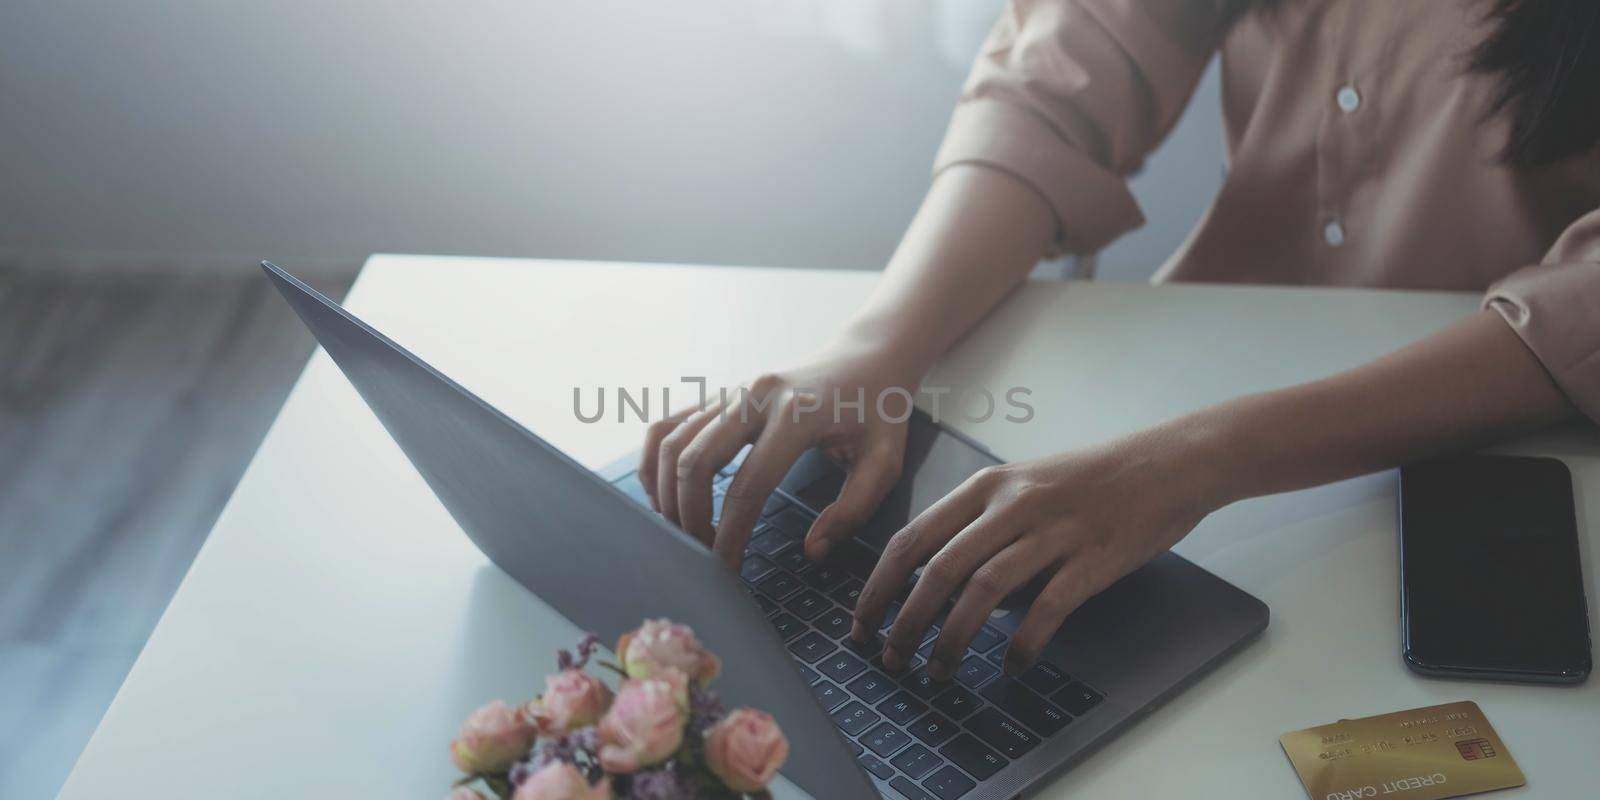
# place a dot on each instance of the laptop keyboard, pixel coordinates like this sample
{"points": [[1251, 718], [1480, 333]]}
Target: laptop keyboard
{"points": [[924, 739]]}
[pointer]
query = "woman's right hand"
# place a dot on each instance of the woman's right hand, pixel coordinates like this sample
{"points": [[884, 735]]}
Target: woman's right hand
{"points": [[782, 414]]}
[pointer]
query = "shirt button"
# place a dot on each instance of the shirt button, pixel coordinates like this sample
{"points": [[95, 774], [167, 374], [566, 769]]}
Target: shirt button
{"points": [[1333, 234], [1348, 99]]}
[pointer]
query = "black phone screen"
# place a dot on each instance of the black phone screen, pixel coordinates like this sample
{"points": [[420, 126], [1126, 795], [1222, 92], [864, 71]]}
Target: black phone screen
{"points": [[1491, 583]]}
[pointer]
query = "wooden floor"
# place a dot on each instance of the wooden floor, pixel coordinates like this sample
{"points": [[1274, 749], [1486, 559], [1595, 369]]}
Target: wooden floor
{"points": [[129, 407]]}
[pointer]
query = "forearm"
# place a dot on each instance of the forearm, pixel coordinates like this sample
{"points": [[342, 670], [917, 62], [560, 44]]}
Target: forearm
{"points": [[974, 240], [1469, 385]]}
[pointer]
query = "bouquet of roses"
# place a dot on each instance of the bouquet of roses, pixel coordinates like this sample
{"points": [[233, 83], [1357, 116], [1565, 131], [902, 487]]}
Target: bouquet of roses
{"points": [[661, 735]]}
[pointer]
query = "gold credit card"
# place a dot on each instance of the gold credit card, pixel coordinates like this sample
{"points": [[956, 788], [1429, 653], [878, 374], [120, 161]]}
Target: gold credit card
{"points": [[1421, 754]]}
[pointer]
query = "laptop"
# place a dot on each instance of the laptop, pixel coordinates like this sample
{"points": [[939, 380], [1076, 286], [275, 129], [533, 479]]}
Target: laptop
{"points": [[586, 543]]}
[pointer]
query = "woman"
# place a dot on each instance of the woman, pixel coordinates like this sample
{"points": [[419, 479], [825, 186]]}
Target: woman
{"points": [[1438, 144]]}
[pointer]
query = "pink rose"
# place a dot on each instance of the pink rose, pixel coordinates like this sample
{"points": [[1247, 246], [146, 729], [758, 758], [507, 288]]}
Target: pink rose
{"points": [[572, 699], [491, 739], [643, 727], [678, 683], [659, 643], [561, 781], [746, 749]]}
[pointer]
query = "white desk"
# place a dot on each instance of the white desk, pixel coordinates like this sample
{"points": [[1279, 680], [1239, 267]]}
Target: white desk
{"points": [[336, 627]]}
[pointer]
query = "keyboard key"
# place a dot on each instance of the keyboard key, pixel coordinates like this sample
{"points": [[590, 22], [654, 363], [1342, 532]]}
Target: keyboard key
{"points": [[811, 648], [787, 626], [842, 666], [755, 568], [854, 718], [779, 585], [1029, 709], [998, 731], [916, 661], [986, 639], [793, 559], [829, 695], [1045, 677], [810, 675], [998, 656], [902, 708], [917, 761], [871, 763], [949, 784], [871, 687], [933, 728], [835, 624], [769, 541], [855, 557], [847, 594], [718, 498], [826, 577], [767, 606], [974, 671], [868, 650], [774, 504], [1079, 698], [957, 703], [910, 790], [914, 666], [808, 605], [921, 683], [792, 522], [885, 740], [973, 756]]}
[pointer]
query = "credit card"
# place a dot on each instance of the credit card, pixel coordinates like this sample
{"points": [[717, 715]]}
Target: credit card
{"points": [[1421, 754]]}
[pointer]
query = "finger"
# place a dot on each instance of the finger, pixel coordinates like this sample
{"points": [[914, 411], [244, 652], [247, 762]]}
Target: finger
{"points": [[653, 435], [776, 447], [989, 584], [1072, 584], [912, 545], [667, 460], [975, 545], [865, 486], [711, 449]]}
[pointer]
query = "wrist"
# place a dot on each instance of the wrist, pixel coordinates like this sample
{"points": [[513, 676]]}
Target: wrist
{"points": [[886, 352], [1228, 452], [1205, 456]]}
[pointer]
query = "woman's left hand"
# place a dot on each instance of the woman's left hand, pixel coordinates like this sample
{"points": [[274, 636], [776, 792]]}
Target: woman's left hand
{"points": [[1083, 518]]}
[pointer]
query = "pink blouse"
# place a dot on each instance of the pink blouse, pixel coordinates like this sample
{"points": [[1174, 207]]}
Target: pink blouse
{"points": [[1357, 153]]}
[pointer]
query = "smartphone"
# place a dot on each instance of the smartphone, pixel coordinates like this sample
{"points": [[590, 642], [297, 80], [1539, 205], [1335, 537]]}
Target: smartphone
{"points": [[1490, 581]]}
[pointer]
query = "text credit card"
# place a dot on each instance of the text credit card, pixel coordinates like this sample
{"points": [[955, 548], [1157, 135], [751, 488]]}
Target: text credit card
{"points": [[1422, 754]]}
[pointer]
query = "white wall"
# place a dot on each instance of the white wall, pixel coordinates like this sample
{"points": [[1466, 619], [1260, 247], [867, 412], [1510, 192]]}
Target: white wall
{"points": [[774, 132]]}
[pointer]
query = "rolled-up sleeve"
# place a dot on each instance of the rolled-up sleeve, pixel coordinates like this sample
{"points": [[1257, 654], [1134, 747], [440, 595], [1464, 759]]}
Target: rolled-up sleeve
{"points": [[1069, 96], [1555, 308]]}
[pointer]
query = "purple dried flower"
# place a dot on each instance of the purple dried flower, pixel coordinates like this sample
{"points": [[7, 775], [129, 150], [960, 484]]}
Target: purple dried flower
{"points": [[705, 710], [586, 740], [565, 659], [520, 772], [549, 750], [672, 781], [586, 647], [658, 784]]}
